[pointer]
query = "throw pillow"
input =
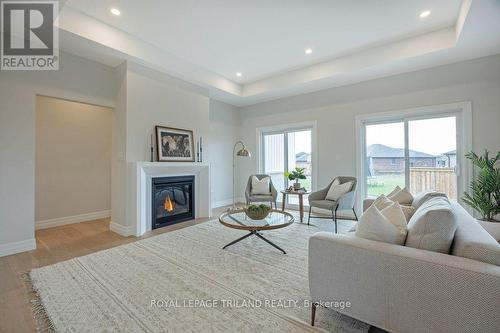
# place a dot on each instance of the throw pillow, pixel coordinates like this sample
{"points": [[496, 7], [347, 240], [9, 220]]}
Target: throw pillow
{"points": [[408, 211], [396, 190], [337, 190], [403, 196], [382, 202], [388, 225], [433, 226], [260, 186]]}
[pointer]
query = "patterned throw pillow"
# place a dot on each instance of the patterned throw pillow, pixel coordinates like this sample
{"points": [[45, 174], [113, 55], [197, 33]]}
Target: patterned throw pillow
{"points": [[382, 202], [403, 196]]}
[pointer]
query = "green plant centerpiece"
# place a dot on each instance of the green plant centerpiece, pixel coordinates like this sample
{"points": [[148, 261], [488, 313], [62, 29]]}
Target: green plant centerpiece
{"points": [[296, 175], [257, 212], [485, 187]]}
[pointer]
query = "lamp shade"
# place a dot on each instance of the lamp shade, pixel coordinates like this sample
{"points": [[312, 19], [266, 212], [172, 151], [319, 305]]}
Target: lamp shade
{"points": [[243, 152]]}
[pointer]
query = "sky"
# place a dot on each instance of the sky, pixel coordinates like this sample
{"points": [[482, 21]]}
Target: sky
{"points": [[431, 136], [303, 141]]}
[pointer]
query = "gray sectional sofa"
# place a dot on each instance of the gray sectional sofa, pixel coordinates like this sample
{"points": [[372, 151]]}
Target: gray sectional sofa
{"points": [[410, 289]]}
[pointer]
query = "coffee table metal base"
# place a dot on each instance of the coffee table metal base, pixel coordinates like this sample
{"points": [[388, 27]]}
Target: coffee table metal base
{"points": [[258, 234]]}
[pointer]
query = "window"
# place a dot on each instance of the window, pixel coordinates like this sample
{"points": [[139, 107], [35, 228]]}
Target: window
{"points": [[283, 150], [419, 149]]}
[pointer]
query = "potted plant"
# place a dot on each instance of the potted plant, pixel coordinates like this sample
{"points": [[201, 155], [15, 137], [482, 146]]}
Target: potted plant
{"points": [[296, 174], [485, 190]]}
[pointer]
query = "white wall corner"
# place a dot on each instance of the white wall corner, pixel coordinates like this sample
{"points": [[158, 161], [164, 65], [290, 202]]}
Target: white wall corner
{"points": [[227, 202], [122, 230], [17, 247]]}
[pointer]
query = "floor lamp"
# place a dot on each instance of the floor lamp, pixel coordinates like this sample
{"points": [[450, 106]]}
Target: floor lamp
{"points": [[243, 152]]}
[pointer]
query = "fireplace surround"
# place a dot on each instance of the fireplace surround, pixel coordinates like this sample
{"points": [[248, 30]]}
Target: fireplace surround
{"points": [[172, 200], [138, 209]]}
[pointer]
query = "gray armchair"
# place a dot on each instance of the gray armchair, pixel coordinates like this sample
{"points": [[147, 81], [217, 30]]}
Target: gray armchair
{"points": [[344, 203], [273, 194]]}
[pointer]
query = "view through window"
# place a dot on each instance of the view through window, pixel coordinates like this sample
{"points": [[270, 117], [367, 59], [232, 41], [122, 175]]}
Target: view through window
{"points": [[284, 151], [419, 154]]}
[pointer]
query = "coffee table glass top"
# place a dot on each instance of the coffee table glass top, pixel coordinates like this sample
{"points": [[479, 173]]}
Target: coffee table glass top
{"points": [[237, 219]]}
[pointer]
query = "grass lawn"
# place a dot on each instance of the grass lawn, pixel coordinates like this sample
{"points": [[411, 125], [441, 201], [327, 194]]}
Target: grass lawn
{"points": [[384, 184]]}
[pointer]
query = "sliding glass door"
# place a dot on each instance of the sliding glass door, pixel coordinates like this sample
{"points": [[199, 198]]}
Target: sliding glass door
{"points": [[419, 153], [284, 150]]}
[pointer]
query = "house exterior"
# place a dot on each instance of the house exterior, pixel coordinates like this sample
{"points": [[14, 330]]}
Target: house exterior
{"points": [[384, 159], [303, 160], [448, 159]]}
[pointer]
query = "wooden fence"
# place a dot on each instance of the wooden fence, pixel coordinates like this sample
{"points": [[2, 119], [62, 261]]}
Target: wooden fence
{"points": [[438, 179]]}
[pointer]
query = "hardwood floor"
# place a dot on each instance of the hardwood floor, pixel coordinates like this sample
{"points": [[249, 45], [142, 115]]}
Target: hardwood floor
{"points": [[55, 245]]}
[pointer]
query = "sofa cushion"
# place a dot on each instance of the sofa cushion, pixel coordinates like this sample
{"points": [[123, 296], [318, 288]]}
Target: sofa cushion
{"points": [[422, 197], [387, 225], [433, 226], [472, 240]]}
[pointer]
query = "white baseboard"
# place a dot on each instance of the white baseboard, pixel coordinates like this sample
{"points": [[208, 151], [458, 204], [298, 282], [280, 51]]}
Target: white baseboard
{"points": [[17, 247], [222, 203], [72, 219], [121, 229], [226, 202]]}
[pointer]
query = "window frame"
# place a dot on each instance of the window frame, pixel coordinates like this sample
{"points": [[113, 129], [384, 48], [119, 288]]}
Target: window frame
{"points": [[463, 113], [285, 129]]}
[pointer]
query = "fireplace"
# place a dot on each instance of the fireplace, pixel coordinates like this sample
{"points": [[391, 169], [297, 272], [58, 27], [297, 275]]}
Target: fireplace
{"points": [[173, 200]]}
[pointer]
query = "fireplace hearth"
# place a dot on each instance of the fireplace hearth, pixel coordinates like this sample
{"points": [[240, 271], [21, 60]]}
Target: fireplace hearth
{"points": [[173, 200]]}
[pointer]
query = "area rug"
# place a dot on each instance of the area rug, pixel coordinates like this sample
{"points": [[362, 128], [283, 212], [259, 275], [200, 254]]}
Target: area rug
{"points": [[182, 281]]}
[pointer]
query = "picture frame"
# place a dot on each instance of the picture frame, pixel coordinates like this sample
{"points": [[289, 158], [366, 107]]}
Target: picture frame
{"points": [[174, 144]]}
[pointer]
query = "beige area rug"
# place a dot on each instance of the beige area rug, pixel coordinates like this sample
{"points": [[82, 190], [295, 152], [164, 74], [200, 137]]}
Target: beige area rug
{"points": [[152, 285]]}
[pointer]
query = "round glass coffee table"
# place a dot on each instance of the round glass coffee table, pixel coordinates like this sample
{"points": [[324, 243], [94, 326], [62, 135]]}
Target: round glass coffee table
{"points": [[237, 219]]}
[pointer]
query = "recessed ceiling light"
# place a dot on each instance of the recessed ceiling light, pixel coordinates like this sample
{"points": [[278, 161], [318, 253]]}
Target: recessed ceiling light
{"points": [[308, 51], [238, 74], [425, 13], [115, 11]]}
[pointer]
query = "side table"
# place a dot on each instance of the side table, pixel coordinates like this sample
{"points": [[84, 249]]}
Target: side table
{"points": [[300, 194]]}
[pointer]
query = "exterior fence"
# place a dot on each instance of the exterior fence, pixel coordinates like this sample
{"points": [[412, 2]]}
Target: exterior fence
{"points": [[438, 179]]}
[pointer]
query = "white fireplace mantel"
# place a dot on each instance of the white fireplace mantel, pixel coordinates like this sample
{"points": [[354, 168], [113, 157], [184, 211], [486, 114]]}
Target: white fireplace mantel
{"points": [[142, 174]]}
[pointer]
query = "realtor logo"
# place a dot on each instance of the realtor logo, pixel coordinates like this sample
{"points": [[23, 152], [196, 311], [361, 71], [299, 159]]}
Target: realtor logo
{"points": [[30, 41]]}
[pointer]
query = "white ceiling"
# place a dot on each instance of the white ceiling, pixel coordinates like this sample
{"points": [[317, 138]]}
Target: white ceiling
{"points": [[207, 42], [260, 38]]}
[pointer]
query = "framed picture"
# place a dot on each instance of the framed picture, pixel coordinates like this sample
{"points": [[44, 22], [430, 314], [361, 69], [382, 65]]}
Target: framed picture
{"points": [[174, 144]]}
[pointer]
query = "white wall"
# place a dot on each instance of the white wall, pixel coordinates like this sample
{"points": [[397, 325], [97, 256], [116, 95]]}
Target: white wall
{"points": [[73, 160], [223, 131], [77, 79], [147, 98], [335, 109], [157, 99]]}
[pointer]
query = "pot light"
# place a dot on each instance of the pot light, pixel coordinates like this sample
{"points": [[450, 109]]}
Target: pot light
{"points": [[238, 74], [115, 12], [425, 13], [308, 51]]}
